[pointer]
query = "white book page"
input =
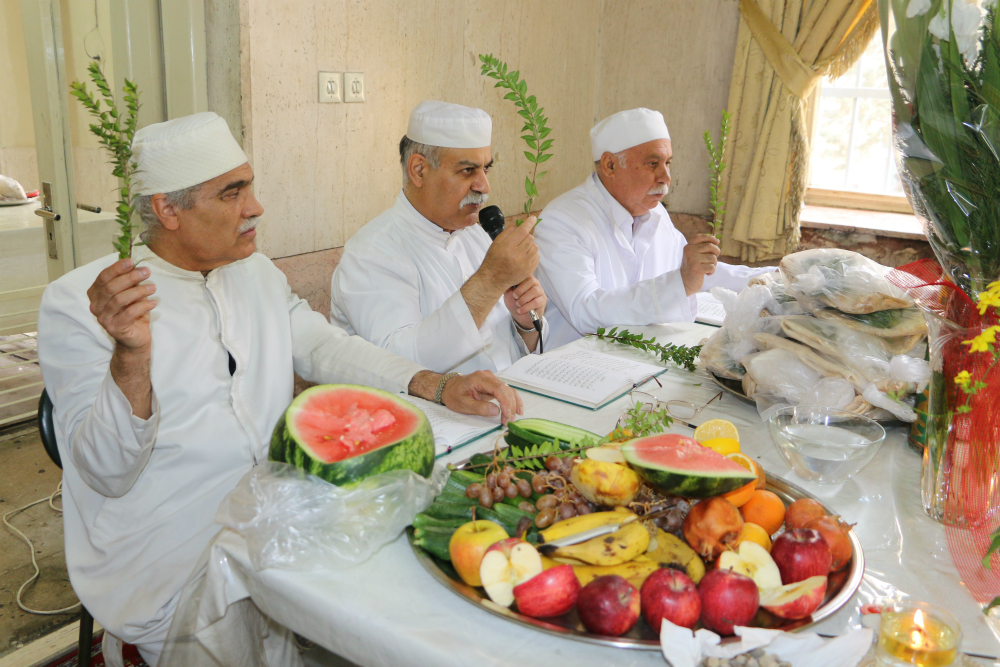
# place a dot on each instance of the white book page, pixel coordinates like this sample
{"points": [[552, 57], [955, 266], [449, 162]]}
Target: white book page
{"points": [[451, 428], [583, 375], [710, 310]]}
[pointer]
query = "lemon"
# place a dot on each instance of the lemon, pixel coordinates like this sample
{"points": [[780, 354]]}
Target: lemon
{"points": [[716, 428], [724, 446]]}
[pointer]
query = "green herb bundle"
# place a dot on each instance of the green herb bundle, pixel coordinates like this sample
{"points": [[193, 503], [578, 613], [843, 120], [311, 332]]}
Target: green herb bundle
{"points": [[115, 129], [681, 355]]}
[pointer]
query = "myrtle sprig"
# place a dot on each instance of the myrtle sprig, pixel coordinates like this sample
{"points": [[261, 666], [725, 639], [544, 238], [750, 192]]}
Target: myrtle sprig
{"points": [[115, 130], [535, 120], [638, 423], [681, 355], [717, 166]]}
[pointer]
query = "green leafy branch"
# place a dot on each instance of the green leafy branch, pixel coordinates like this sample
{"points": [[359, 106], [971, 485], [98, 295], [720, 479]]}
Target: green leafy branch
{"points": [[533, 456], [115, 130], [534, 120], [638, 423], [681, 355], [717, 166]]}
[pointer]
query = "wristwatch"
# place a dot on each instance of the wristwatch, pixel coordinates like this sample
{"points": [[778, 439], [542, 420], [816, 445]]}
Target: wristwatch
{"points": [[440, 387]]}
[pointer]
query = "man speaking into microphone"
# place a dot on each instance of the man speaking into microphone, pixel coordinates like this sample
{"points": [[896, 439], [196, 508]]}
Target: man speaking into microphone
{"points": [[423, 279]]}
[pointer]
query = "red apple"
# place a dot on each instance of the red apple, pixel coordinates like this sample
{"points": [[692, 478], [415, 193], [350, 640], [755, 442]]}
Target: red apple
{"points": [[801, 553], [728, 599], [552, 593], [796, 600], [669, 594], [469, 543], [609, 605]]}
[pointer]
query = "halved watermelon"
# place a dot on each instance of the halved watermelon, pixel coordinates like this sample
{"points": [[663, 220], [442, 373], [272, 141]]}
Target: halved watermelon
{"points": [[678, 465], [344, 433]]}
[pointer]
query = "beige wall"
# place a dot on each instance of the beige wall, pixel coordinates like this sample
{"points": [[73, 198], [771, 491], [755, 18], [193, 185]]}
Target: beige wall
{"points": [[17, 134], [324, 170]]}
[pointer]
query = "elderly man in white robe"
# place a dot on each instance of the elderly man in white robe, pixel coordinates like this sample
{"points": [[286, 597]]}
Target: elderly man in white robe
{"points": [[610, 254], [422, 279], [162, 404]]}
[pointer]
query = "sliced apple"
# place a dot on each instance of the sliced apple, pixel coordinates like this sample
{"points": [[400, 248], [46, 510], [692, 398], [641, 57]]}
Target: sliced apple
{"points": [[796, 600], [753, 561], [508, 566]]}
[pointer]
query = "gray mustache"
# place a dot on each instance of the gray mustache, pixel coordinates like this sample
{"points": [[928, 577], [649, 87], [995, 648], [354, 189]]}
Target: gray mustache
{"points": [[247, 225], [474, 199]]}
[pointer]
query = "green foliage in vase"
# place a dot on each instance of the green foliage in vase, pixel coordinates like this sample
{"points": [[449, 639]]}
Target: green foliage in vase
{"points": [[535, 128], [682, 355], [115, 129], [717, 166]]}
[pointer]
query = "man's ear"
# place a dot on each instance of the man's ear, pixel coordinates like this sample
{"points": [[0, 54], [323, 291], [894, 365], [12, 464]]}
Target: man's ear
{"points": [[607, 164], [417, 167], [165, 213]]}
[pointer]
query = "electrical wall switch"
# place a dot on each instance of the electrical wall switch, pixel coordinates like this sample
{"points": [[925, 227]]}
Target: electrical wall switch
{"points": [[330, 87], [354, 87]]}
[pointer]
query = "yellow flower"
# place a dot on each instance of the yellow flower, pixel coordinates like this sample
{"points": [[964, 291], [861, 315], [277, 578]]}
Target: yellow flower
{"points": [[981, 342], [987, 300], [963, 379]]}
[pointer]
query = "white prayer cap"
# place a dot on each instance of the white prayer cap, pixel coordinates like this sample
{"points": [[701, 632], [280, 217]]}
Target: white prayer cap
{"points": [[449, 125], [182, 152], [626, 129]]}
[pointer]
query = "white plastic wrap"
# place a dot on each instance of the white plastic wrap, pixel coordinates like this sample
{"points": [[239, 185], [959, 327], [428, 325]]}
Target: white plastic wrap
{"points": [[880, 399], [11, 189], [295, 521], [842, 279], [830, 393], [780, 379], [717, 358]]}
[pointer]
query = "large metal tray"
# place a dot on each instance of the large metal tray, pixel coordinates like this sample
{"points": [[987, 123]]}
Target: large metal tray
{"points": [[841, 588]]}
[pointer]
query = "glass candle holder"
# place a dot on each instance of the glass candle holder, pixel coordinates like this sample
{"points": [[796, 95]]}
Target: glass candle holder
{"points": [[916, 633]]}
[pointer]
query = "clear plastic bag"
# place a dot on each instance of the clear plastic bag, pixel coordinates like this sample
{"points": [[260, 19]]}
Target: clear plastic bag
{"points": [[716, 357], [746, 315], [295, 521], [830, 393], [785, 300], [777, 378], [841, 279]]}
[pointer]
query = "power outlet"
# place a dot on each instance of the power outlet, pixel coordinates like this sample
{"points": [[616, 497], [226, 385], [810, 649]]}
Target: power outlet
{"points": [[354, 87], [331, 87]]}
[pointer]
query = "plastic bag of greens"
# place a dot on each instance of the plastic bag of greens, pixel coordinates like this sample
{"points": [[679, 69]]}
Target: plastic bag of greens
{"points": [[296, 521]]}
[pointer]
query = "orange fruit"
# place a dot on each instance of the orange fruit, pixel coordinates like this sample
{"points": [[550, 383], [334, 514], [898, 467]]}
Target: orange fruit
{"points": [[750, 465], [764, 509], [740, 496], [751, 532]]}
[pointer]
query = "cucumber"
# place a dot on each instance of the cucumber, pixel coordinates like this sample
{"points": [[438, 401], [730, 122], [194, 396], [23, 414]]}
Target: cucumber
{"points": [[464, 478], [436, 544], [423, 521], [480, 459], [450, 510], [541, 431]]}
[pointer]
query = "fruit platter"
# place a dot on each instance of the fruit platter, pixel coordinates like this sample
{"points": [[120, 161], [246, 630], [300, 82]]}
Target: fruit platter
{"points": [[601, 539]]}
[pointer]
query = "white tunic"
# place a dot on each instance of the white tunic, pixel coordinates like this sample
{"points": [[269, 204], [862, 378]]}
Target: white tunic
{"points": [[140, 496], [399, 285], [597, 273]]}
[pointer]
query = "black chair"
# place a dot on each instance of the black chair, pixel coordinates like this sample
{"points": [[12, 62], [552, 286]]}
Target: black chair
{"points": [[48, 432]]}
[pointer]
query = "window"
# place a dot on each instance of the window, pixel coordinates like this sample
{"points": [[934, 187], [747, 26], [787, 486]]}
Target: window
{"points": [[852, 163]]}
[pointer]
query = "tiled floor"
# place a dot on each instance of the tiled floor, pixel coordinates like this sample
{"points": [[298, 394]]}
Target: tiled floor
{"points": [[29, 475]]}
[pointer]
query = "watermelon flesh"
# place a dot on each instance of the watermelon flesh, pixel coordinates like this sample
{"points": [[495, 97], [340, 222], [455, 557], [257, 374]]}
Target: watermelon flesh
{"points": [[678, 465], [346, 433]]}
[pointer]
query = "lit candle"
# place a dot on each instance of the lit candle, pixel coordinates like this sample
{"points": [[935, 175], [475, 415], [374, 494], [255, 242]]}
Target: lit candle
{"points": [[915, 633]]}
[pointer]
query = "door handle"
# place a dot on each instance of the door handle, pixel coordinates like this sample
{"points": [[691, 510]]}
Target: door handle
{"points": [[87, 207], [50, 216]]}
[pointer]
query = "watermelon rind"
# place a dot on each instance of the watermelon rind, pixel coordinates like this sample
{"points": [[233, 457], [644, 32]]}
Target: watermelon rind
{"points": [[688, 483], [414, 452]]}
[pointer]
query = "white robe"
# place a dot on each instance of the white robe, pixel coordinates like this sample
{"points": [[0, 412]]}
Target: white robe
{"points": [[596, 274], [399, 285], [140, 496]]}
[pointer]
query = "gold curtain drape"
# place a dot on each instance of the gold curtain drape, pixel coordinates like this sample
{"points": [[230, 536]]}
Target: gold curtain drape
{"points": [[784, 48]]}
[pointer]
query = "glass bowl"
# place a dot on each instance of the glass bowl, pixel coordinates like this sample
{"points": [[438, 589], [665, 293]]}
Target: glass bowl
{"points": [[824, 444]]}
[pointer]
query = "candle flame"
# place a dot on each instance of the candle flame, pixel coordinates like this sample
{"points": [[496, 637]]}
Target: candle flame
{"points": [[918, 619]]}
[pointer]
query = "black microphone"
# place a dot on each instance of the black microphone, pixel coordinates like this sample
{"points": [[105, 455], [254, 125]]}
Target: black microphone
{"points": [[492, 221]]}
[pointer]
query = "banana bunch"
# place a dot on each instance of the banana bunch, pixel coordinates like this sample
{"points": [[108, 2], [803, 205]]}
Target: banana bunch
{"points": [[633, 551]]}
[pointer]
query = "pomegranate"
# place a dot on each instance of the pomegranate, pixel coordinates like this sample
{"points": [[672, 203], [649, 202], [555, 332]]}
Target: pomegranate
{"points": [[801, 512], [712, 526], [834, 531]]}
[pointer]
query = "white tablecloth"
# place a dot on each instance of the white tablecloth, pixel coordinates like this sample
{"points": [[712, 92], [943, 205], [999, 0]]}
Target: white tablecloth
{"points": [[389, 611]]}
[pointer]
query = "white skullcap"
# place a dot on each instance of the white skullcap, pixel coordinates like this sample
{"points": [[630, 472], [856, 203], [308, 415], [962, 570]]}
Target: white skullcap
{"points": [[449, 125], [182, 152], [626, 129]]}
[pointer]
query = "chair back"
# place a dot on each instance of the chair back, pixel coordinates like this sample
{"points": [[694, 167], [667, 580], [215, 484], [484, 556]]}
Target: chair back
{"points": [[47, 428]]}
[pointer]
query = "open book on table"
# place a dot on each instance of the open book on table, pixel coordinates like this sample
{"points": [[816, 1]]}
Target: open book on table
{"points": [[710, 310], [451, 429], [582, 377]]}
